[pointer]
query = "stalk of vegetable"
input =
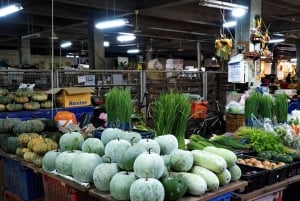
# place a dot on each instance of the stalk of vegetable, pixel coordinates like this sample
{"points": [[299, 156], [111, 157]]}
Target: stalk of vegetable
{"points": [[118, 105], [281, 107], [266, 107], [252, 105], [229, 141], [171, 114]]}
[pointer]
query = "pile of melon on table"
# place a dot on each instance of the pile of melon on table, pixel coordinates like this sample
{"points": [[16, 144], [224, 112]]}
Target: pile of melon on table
{"points": [[122, 163]]}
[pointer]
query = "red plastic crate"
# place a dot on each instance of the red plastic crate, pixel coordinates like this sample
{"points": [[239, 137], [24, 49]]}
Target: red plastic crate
{"points": [[55, 190]]}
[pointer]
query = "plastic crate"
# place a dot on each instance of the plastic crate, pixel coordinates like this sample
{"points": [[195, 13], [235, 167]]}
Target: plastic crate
{"points": [[22, 181], [56, 191], [276, 196], [255, 180], [224, 197], [294, 168]]}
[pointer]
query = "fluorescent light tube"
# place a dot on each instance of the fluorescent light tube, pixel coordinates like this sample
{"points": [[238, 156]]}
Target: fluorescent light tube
{"points": [[126, 37], [238, 12], [222, 5], [106, 44], [133, 51], [65, 44], [278, 40], [10, 9], [229, 24], [111, 23]]}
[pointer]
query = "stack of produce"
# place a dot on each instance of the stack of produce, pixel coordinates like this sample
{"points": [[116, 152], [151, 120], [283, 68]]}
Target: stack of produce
{"points": [[132, 168], [23, 98]]}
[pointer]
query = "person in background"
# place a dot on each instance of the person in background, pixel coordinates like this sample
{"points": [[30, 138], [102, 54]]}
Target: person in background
{"points": [[288, 78]]}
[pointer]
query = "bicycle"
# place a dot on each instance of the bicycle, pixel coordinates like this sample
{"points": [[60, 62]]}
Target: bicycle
{"points": [[213, 123]]}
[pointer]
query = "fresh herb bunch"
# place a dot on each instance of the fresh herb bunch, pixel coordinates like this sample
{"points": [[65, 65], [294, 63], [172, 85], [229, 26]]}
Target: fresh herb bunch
{"points": [[281, 107], [171, 114], [266, 106], [252, 104], [119, 105]]}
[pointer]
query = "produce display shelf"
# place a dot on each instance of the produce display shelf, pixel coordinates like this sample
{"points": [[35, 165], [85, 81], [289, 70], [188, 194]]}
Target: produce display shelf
{"points": [[46, 113], [221, 194]]}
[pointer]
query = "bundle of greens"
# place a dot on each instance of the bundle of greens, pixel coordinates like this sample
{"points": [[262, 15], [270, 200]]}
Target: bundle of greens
{"points": [[171, 114], [252, 104], [118, 105], [266, 106], [281, 107]]}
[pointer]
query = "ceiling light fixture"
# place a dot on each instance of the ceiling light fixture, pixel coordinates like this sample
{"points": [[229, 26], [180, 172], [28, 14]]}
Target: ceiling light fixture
{"points": [[66, 44], [229, 24], [106, 44], [125, 37], [278, 40], [236, 9], [12, 8], [111, 23], [133, 51]]}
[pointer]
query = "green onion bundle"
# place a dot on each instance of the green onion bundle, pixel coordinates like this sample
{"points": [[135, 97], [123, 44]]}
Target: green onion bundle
{"points": [[266, 107], [118, 105], [252, 104], [171, 114], [281, 107]]}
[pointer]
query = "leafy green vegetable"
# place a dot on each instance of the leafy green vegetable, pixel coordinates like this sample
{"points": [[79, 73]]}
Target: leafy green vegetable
{"points": [[261, 140], [281, 107], [252, 104], [266, 106]]}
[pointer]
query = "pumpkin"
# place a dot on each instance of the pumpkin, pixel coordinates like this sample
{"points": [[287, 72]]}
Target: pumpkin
{"points": [[20, 151], [150, 144], [10, 144], [167, 143], [120, 183], [14, 107], [2, 107], [21, 99], [11, 95], [3, 136], [83, 166], [93, 145], [37, 160], [3, 92], [5, 100], [174, 188], [63, 162], [47, 104], [39, 96], [48, 161], [7, 125], [32, 106], [112, 147], [24, 92], [151, 162], [29, 156], [71, 141], [109, 134], [29, 126], [181, 160], [24, 138], [103, 174], [147, 189], [42, 145], [126, 155]]}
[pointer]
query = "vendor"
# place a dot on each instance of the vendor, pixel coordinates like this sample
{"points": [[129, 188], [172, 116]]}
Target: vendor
{"points": [[288, 78]]}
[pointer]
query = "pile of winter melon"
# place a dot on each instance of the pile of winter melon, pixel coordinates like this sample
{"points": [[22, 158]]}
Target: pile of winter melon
{"points": [[132, 168]]}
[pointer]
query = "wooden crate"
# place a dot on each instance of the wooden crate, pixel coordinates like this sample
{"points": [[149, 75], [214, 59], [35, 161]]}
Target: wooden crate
{"points": [[234, 121]]}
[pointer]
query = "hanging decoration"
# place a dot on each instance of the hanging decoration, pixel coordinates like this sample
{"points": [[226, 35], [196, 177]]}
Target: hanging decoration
{"points": [[257, 34], [223, 47]]}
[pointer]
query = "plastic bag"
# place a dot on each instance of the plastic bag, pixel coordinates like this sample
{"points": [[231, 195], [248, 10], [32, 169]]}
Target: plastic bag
{"points": [[235, 108]]}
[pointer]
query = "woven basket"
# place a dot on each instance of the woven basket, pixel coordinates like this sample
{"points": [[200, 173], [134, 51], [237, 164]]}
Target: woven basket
{"points": [[234, 122]]}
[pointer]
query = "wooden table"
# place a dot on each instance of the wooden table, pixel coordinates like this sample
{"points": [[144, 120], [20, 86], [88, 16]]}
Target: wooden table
{"points": [[105, 196]]}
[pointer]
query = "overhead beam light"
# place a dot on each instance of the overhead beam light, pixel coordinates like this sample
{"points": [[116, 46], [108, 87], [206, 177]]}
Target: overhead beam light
{"points": [[237, 10], [66, 44], [106, 44], [111, 23], [133, 51], [278, 40], [12, 8], [229, 24], [125, 37]]}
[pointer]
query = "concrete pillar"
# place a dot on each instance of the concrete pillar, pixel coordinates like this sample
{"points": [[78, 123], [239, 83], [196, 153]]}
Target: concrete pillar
{"points": [[298, 58], [95, 48], [25, 54]]}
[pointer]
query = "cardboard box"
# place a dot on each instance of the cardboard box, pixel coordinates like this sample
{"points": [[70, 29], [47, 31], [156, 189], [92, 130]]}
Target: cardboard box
{"points": [[72, 96]]}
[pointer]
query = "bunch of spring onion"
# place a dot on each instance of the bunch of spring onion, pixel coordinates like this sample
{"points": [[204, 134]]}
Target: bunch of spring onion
{"points": [[171, 114], [252, 105], [281, 107]]}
